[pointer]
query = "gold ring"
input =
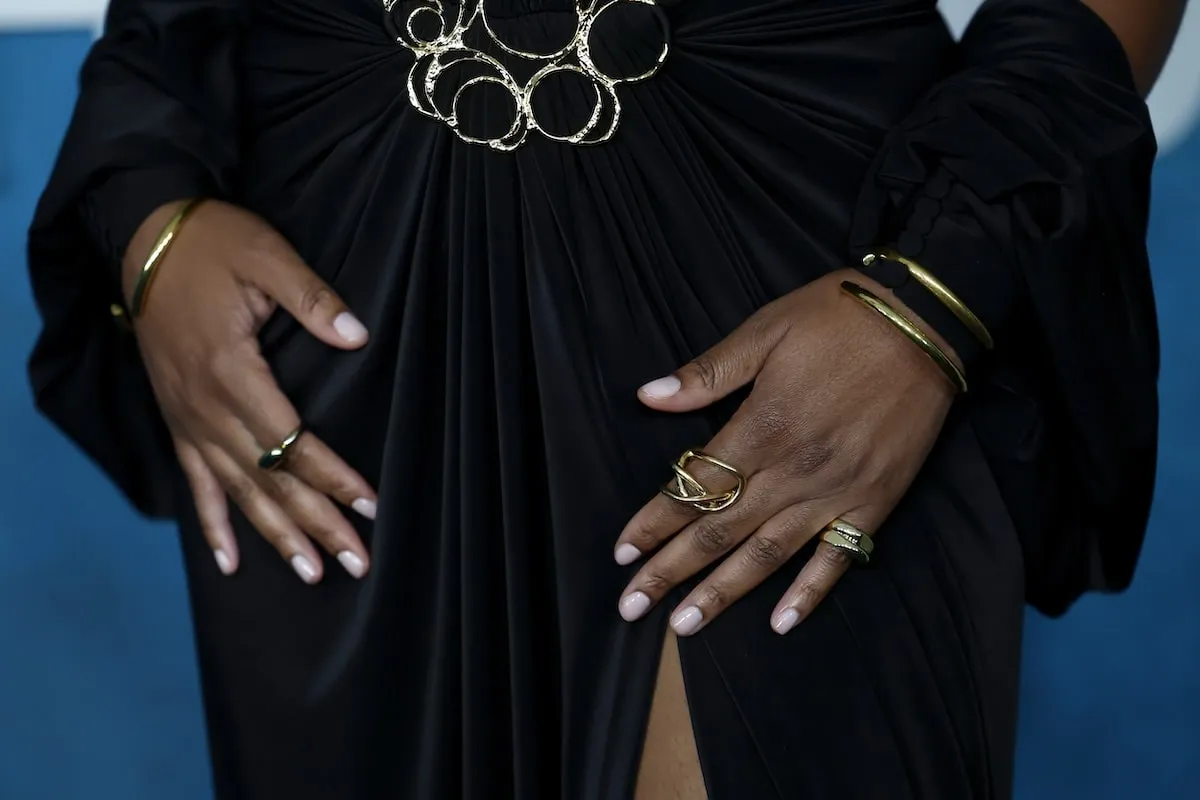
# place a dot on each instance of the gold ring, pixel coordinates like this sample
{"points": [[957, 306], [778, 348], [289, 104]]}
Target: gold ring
{"points": [[273, 459], [689, 491], [846, 537]]}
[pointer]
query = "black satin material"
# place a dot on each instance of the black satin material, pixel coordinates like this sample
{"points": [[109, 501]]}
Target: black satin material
{"points": [[516, 301]]}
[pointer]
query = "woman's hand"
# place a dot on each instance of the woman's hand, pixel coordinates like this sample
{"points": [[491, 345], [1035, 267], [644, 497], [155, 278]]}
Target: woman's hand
{"points": [[843, 412], [223, 277]]}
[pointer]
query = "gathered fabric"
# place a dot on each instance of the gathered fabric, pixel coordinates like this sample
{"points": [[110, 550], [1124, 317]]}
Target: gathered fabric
{"points": [[518, 296]]}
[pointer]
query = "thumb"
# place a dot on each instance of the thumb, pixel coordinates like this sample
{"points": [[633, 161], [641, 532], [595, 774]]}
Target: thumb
{"points": [[721, 370], [312, 302]]}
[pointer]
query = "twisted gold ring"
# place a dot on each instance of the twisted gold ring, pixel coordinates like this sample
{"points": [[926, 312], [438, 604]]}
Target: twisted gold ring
{"points": [[273, 459], [849, 539], [689, 491]]}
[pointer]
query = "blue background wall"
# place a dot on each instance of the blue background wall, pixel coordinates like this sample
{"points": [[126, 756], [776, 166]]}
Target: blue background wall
{"points": [[98, 694]]}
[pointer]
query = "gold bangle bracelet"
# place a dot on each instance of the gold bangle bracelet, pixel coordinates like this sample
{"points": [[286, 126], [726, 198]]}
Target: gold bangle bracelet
{"points": [[935, 353], [942, 292], [162, 245]]}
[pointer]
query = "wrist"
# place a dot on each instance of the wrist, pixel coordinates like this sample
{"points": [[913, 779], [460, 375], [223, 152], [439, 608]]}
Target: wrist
{"points": [[888, 296], [141, 245]]}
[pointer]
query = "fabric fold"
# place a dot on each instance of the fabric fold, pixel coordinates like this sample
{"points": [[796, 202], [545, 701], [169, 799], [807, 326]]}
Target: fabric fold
{"points": [[156, 121], [1022, 181]]}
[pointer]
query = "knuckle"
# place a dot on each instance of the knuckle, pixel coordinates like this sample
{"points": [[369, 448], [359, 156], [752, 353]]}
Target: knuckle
{"points": [[770, 425], [284, 543], [338, 482], [655, 583], [649, 528], [344, 490], [316, 296], [711, 597], [277, 485], [836, 557], [706, 371], [808, 595], [711, 538], [328, 527], [643, 538], [765, 551], [241, 490], [813, 457]]}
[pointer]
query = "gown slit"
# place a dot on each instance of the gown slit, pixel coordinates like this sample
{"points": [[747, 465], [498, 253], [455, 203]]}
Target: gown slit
{"points": [[517, 298]]}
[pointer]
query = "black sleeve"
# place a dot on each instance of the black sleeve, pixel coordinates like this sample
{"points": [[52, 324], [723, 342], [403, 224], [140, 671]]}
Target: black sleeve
{"points": [[1022, 181], [156, 120]]}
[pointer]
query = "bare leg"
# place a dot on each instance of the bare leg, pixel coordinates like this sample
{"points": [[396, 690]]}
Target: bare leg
{"points": [[670, 767]]}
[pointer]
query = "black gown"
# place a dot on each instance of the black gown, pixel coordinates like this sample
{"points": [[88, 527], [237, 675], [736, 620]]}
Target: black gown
{"points": [[516, 300]]}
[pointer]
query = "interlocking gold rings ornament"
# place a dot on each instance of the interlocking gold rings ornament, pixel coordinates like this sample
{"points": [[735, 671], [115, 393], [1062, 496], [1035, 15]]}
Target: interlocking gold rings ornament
{"points": [[689, 491], [849, 539], [449, 48]]}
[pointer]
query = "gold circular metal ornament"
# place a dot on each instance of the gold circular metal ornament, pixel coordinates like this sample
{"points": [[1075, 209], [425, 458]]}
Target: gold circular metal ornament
{"points": [[684, 488]]}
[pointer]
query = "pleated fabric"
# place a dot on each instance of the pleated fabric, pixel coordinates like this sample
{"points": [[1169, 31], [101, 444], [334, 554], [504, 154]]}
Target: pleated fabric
{"points": [[516, 300]]}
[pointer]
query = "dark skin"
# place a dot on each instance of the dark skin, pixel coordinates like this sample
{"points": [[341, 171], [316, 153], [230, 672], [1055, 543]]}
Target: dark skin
{"points": [[808, 455], [843, 413]]}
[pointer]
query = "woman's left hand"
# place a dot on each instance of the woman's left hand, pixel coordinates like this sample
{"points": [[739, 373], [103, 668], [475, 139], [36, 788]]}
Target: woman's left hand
{"points": [[843, 413]]}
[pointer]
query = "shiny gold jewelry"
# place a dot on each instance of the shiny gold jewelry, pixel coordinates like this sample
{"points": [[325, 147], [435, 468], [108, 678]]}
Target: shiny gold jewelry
{"points": [[273, 459], [162, 246], [449, 48], [935, 353], [689, 491], [119, 316], [942, 292], [844, 536]]}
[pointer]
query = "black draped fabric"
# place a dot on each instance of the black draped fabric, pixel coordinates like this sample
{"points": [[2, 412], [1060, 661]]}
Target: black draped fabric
{"points": [[517, 299]]}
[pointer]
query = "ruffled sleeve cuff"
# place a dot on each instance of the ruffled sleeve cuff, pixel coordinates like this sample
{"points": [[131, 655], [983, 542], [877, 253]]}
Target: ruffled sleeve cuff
{"points": [[1022, 183], [113, 211], [156, 120]]}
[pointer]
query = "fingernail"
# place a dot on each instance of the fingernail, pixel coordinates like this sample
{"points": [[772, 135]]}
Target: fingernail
{"points": [[661, 388], [353, 564], [224, 562], [627, 554], [364, 507], [633, 605], [785, 620], [349, 328], [304, 568], [687, 622]]}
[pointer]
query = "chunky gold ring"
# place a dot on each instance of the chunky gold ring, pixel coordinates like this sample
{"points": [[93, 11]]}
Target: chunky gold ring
{"points": [[846, 537], [689, 491], [273, 459]]}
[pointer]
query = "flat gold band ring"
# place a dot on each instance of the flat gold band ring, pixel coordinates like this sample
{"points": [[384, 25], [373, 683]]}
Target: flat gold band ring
{"points": [[684, 488], [273, 459], [849, 539]]}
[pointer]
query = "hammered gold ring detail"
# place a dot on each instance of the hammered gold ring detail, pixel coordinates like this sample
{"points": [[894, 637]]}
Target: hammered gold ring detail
{"points": [[849, 539]]}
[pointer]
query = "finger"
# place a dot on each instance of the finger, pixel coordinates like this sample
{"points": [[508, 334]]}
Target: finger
{"points": [[737, 445], [697, 546], [212, 506], [663, 517], [767, 549], [310, 300], [320, 519], [308, 508], [818, 577], [257, 401], [724, 368], [267, 517]]}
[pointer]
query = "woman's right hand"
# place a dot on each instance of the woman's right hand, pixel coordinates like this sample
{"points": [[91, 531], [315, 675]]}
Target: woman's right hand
{"points": [[225, 274]]}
